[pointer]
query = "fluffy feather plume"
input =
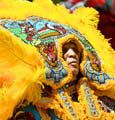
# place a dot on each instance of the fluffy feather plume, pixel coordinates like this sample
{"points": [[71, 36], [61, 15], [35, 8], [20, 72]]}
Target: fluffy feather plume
{"points": [[92, 16], [18, 64]]}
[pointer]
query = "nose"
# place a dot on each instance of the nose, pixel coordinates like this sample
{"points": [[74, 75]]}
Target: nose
{"points": [[72, 53]]}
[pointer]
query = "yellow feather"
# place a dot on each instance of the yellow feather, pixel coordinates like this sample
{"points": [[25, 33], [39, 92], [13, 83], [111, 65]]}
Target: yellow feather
{"points": [[19, 63]]}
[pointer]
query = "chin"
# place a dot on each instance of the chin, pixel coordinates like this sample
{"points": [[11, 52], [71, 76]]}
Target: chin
{"points": [[74, 71]]}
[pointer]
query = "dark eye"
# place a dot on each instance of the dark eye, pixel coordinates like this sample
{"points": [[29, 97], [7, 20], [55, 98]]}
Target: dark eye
{"points": [[65, 49], [74, 49], [68, 46], [71, 45]]}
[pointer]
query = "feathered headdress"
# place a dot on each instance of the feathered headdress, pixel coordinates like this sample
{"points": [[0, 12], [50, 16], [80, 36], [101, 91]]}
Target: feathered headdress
{"points": [[30, 34]]}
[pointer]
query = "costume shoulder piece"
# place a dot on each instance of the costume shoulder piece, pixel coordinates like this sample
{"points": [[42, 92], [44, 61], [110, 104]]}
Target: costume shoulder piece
{"points": [[31, 40]]}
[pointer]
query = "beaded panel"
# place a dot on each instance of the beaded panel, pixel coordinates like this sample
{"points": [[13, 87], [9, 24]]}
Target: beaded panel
{"points": [[90, 101], [44, 34]]}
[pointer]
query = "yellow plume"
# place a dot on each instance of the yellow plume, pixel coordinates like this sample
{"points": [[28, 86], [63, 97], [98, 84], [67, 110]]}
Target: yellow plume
{"points": [[19, 63]]}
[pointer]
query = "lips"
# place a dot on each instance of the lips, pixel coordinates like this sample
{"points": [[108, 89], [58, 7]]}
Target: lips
{"points": [[73, 63]]}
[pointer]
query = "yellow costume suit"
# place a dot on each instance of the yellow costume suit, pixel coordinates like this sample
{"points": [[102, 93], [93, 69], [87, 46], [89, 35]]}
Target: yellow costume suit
{"points": [[34, 78]]}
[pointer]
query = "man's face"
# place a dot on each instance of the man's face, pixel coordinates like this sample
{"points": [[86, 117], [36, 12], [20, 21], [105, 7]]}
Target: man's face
{"points": [[71, 57]]}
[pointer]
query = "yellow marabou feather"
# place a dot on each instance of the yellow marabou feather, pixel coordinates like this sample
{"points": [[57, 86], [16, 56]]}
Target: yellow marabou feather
{"points": [[21, 63], [20, 69]]}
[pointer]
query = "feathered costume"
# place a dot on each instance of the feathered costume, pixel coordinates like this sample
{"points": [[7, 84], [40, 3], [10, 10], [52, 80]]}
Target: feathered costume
{"points": [[35, 81]]}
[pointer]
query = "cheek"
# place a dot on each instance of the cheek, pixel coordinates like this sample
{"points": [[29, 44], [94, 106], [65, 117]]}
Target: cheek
{"points": [[68, 60], [78, 58]]}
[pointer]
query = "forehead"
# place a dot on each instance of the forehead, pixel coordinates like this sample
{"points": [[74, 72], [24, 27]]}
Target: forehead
{"points": [[69, 45]]}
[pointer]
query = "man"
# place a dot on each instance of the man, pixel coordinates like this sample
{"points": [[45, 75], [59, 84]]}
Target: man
{"points": [[72, 57], [39, 86]]}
